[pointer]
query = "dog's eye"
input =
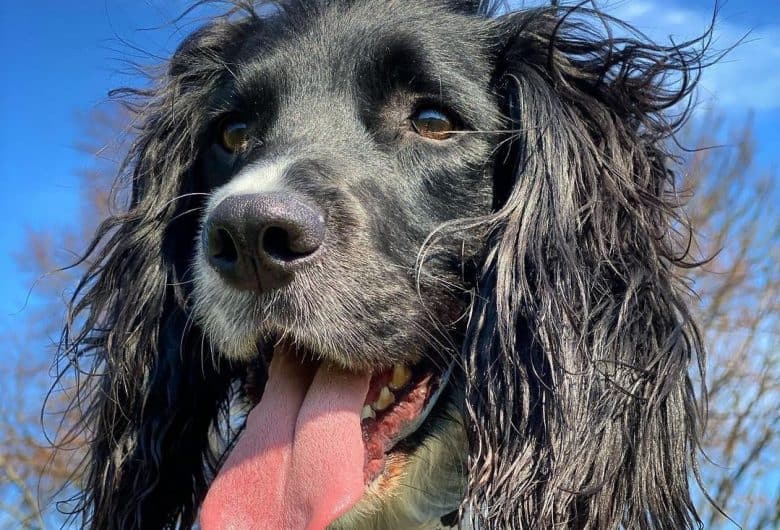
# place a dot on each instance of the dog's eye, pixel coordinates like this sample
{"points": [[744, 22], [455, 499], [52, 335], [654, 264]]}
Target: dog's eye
{"points": [[233, 135], [433, 124]]}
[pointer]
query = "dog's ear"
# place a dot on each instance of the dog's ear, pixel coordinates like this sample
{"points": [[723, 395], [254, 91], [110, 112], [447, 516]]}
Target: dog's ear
{"points": [[580, 408], [151, 400]]}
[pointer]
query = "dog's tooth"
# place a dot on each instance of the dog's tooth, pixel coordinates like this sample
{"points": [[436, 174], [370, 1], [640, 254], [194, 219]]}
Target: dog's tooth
{"points": [[401, 375], [367, 412], [385, 399]]}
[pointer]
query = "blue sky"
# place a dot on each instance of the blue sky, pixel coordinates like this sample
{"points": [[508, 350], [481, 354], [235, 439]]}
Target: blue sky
{"points": [[61, 58]]}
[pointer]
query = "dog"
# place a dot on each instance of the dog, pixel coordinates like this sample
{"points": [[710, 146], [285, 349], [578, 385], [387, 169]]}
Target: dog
{"points": [[396, 264]]}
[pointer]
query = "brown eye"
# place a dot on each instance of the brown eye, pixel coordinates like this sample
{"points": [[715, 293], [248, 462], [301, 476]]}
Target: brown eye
{"points": [[433, 124], [234, 135]]}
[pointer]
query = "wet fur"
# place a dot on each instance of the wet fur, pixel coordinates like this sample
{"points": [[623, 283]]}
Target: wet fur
{"points": [[541, 249]]}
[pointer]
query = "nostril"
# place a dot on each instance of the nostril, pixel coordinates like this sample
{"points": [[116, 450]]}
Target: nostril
{"points": [[276, 243], [282, 245], [221, 246]]}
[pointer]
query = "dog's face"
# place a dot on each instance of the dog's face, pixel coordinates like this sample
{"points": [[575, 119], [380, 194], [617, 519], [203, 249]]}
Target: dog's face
{"points": [[338, 145]]}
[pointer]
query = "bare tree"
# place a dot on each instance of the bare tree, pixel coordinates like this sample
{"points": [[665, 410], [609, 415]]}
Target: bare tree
{"points": [[733, 208], [31, 471], [735, 211]]}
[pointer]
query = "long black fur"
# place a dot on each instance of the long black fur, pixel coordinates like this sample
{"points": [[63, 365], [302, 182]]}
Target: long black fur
{"points": [[575, 352]]}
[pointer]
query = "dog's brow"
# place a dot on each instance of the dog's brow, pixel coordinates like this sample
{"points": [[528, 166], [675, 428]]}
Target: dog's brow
{"points": [[394, 65]]}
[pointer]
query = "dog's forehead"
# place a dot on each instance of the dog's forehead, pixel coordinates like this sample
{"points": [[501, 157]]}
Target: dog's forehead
{"points": [[345, 40]]}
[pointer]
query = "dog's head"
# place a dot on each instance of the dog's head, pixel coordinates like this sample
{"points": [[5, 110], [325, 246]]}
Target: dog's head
{"points": [[432, 251]]}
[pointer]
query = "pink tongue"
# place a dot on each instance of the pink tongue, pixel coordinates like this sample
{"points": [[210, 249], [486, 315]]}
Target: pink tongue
{"points": [[299, 463]]}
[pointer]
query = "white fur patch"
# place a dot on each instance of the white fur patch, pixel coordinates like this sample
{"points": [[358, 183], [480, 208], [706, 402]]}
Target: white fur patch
{"points": [[262, 177]]}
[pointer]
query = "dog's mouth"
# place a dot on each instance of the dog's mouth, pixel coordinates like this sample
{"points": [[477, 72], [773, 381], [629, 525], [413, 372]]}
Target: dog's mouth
{"points": [[398, 402], [317, 437]]}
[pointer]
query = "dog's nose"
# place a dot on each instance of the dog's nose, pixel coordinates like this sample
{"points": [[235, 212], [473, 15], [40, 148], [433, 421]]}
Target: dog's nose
{"points": [[259, 241]]}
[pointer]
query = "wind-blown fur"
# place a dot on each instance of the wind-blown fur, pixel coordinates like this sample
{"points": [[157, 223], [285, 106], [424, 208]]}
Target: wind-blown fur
{"points": [[575, 348]]}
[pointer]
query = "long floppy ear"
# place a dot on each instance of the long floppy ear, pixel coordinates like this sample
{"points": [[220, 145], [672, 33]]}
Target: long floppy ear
{"points": [[151, 402], [580, 409]]}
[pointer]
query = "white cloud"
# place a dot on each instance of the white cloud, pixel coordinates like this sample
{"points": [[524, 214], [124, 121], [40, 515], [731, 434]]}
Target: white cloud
{"points": [[747, 77], [633, 10]]}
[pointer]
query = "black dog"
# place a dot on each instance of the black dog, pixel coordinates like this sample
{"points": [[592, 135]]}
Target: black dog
{"points": [[437, 249]]}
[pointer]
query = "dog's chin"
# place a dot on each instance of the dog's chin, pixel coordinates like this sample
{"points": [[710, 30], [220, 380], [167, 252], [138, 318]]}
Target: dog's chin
{"points": [[399, 420]]}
